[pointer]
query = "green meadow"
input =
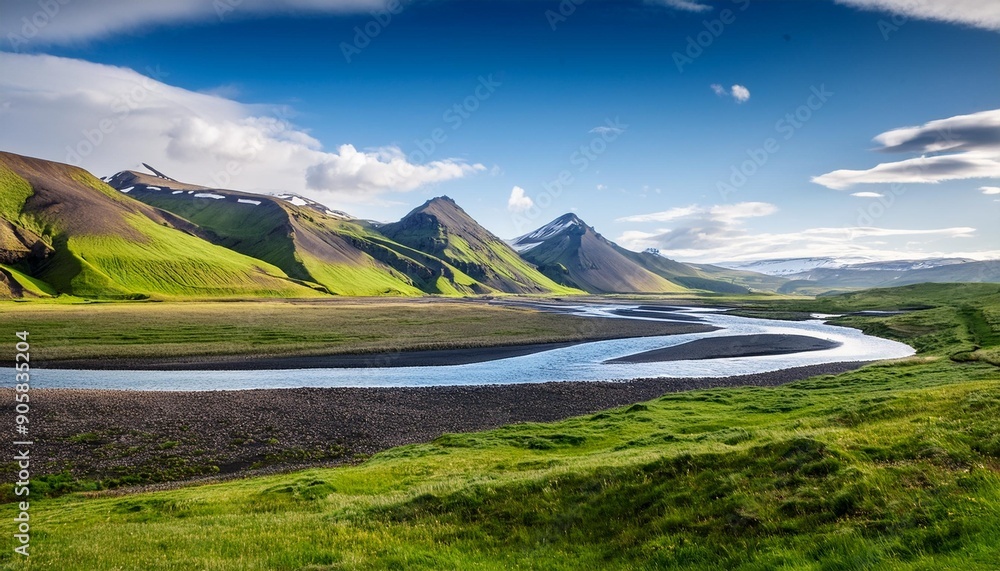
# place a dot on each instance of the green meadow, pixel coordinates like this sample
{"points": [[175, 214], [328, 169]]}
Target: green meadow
{"points": [[63, 330], [893, 466]]}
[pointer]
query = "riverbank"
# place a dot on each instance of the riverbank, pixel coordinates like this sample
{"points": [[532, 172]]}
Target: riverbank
{"points": [[604, 329], [143, 437], [731, 346], [303, 334]]}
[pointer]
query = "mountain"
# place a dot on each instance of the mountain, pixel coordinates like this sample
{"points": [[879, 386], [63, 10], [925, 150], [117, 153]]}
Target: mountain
{"points": [[799, 266], [573, 253], [64, 231], [309, 242], [441, 228], [330, 249], [890, 274]]}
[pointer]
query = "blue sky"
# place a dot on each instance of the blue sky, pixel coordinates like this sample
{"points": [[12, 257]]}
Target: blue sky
{"points": [[643, 131]]}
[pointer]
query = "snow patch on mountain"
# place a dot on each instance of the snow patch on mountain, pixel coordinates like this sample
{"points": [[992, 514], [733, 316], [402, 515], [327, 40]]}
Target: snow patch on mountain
{"points": [[532, 239]]}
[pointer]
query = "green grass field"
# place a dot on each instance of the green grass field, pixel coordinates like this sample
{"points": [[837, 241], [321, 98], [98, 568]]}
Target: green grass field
{"points": [[893, 466], [279, 328]]}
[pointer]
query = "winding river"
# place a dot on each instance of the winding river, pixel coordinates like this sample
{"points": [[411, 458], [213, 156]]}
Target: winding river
{"points": [[583, 362]]}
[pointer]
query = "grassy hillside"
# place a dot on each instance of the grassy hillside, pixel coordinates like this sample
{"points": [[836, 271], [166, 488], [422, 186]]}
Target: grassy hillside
{"points": [[896, 465], [86, 239], [305, 243], [439, 227]]}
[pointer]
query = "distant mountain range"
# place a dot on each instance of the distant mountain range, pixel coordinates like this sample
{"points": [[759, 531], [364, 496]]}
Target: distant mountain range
{"points": [[822, 275], [135, 235], [801, 266]]}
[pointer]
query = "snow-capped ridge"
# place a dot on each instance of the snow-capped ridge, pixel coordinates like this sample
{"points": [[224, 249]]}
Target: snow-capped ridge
{"points": [[536, 237]]}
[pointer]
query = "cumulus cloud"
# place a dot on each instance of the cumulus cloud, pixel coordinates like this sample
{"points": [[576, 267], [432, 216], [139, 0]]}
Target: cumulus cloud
{"points": [[27, 25], [990, 189], [956, 148], [351, 170], [107, 118], [978, 13], [738, 92], [867, 194], [717, 233], [518, 201]]}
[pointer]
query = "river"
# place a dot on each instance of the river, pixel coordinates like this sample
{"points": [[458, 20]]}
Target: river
{"points": [[582, 362]]}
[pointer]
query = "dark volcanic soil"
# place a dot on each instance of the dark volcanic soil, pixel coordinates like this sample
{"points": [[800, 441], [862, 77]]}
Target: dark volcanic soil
{"points": [[145, 437], [731, 346]]}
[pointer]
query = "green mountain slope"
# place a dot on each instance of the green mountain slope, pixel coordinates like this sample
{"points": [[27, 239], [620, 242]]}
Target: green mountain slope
{"points": [[441, 228], [66, 231], [311, 244]]}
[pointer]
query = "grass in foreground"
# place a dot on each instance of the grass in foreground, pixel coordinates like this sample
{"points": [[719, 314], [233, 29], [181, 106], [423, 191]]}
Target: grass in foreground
{"points": [[896, 466], [894, 463]]}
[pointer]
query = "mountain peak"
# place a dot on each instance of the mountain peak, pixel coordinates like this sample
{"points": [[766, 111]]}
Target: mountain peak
{"points": [[560, 225]]}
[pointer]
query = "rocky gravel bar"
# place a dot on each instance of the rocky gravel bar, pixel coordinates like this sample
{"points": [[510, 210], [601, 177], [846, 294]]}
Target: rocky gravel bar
{"points": [[145, 437]]}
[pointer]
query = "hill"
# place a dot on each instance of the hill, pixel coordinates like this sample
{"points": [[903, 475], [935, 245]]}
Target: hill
{"points": [[441, 228], [572, 253], [308, 242], [863, 276], [64, 231]]}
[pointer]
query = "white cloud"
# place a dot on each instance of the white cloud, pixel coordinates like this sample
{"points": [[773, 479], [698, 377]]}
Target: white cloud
{"points": [[740, 93], [956, 148], [686, 5], [734, 212], [518, 202], [990, 189], [707, 244], [350, 170], [717, 233], [607, 130], [721, 212], [29, 24], [977, 13], [107, 118], [664, 216], [867, 194]]}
